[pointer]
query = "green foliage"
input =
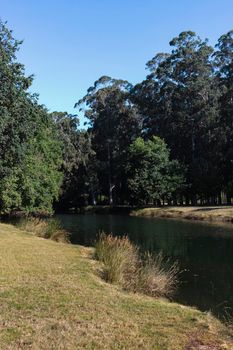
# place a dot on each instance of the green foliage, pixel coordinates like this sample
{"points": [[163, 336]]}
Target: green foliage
{"points": [[223, 62], [186, 100], [152, 177], [9, 191], [30, 151], [80, 181], [114, 122], [40, 179], [180, 98]]}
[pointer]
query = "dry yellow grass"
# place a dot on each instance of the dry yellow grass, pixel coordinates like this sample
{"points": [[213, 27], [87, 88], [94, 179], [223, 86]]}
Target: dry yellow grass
{"points": [[215, 214], [52, 298]]}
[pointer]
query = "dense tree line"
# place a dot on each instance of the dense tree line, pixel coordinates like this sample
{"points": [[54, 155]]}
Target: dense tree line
{"points": [[30, 150], [168, 139], [186, 100]]}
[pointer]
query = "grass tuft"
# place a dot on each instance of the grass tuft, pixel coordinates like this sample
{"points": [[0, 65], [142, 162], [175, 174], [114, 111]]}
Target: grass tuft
{"points": [[124, 265], [49, 229], [157, 277], [119, 257]]}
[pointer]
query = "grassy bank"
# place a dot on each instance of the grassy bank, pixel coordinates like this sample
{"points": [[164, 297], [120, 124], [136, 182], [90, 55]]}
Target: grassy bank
{"points": [[51, 297], [214, 214]]}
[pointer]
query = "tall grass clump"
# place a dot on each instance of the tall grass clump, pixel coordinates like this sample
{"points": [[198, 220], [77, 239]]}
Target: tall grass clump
{"points": [[124, 265], [49, 229], [119, 258], [157, 277]]}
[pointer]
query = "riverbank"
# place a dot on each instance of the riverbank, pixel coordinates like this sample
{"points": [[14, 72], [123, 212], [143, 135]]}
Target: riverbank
{"points": [[223, 214], [51, 297]]}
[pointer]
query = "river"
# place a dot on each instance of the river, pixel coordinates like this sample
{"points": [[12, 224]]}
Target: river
{"points": [[204, 252]]}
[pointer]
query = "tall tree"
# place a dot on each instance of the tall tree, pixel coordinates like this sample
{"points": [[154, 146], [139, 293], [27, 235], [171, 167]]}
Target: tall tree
{"points": [[29, 151], [114, 123], [180, 102], [80, 184], [224, 75]]}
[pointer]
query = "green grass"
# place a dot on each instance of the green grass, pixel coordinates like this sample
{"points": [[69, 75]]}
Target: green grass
{"points": [[51, 297]]}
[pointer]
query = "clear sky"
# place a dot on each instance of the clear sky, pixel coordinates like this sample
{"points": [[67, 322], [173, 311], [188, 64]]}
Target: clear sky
{"points": [[68, 44]]}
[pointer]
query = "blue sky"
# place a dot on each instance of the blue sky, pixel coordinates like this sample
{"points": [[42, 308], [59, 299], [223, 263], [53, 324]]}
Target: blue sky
{"points": [[69, 44]]}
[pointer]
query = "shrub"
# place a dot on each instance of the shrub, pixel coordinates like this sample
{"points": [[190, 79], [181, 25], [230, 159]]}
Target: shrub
{"points": [[123, 265], [49, 229]]}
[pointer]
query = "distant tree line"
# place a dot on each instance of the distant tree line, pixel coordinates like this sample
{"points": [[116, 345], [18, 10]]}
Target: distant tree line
{"points": [[166, 140]]}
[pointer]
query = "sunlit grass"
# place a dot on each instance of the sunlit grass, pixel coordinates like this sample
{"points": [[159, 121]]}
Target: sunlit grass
{"points": [[216, 214], [51, 297]]}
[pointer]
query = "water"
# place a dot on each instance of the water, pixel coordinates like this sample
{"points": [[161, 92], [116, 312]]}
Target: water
{"points": [[204, 252]]}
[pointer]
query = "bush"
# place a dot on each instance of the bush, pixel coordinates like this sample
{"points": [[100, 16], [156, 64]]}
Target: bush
{"points": [[123, 265], [49, 229]]}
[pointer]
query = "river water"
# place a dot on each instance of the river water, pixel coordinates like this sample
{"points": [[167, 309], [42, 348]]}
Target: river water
{"points": [[204, 252]]}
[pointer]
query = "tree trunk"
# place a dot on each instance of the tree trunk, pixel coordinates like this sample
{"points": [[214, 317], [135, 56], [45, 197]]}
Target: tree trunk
{"points": [[220, 198], [228, 199], [194, 200], [174, 200], [111, 186]]}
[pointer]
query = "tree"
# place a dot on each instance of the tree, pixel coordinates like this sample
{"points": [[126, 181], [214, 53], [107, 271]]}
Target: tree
{"points": [[114, 122], [30, 152], [224, 79], [179, 100], [80, 183], [152, 177]]}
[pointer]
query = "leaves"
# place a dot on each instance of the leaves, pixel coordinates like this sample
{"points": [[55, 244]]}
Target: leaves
{"points": [[30, 151], [152, 177]]}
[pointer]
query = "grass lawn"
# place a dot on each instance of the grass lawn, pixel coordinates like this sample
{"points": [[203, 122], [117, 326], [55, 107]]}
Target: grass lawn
{"points": [[51, 297], [215, 214]]}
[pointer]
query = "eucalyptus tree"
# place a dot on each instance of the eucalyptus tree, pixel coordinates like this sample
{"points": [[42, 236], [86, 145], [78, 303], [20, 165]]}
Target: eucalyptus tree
{"points": [[179, 100], [224, 75], [114, 123]]}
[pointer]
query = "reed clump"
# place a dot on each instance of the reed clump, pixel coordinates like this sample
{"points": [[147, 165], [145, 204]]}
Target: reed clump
{"points": [[49, 229], [124, 265], [119, 258]]}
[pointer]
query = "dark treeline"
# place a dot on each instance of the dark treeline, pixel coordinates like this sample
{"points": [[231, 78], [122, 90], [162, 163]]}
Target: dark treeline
{"points": [[166, 140]]}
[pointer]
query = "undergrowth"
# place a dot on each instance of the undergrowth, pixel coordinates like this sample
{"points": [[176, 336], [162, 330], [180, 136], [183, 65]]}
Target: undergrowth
{"points": [[49, 229]]}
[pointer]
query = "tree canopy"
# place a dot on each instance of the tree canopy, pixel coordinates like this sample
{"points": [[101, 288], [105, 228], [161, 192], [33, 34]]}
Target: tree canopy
{"points": [[167, 139], [30, 151], [152, 176]]}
